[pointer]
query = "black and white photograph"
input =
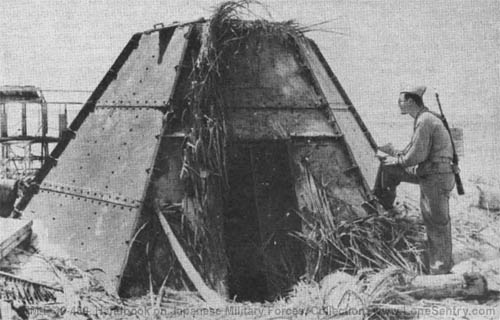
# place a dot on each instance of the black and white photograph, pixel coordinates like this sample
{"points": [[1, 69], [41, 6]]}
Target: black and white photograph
{"points": [[249, 159]]}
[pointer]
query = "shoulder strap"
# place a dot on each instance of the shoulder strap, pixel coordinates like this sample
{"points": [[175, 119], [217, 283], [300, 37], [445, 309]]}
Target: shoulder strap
{"points": [[435, 114], [424, 111]]}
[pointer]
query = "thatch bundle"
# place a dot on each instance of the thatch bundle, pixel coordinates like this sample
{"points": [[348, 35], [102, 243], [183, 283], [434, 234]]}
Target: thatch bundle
{"points": [[375, 241], [366, 295]]}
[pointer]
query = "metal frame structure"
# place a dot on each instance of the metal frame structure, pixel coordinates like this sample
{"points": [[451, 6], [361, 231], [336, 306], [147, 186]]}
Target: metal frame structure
{"points": [[16, 164], [20, 158]]}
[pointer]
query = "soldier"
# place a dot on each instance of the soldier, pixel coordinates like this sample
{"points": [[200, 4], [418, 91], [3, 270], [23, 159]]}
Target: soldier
{"points": [[427, 161]]}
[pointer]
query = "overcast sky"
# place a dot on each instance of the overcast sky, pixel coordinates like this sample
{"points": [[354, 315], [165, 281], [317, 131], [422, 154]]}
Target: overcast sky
{"points": [[450, 45]]}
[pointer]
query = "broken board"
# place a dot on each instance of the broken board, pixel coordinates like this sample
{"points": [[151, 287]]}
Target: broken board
{"points": [[12, 233]]}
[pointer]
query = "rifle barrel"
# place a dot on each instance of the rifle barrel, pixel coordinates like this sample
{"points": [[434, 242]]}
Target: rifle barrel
{"points": [[458, 180]]}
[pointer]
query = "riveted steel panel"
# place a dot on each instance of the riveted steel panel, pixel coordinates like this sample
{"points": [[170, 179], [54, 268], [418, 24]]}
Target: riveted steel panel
{"points": [[111, 152], [95, 233], [266, 74], [146, 78], [88, 204], [254, 124], [330, 164]]}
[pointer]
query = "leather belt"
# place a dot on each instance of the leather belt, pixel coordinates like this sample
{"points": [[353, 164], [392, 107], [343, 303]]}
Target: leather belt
{"points": [[442, 160]]}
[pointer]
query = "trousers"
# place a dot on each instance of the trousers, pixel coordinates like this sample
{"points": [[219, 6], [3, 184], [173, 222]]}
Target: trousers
{"points": [[435, 192]]}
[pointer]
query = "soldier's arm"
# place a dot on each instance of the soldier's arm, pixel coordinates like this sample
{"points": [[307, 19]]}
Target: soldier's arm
{"points": [[419, 147], [390, 150]]}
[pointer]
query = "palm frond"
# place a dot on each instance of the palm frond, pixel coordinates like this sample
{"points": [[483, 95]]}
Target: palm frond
{"points": [[375, 242], [15, 288]]}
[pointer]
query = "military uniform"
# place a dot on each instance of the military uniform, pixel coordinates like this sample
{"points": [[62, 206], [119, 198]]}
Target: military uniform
{"points": [[427, 160]]}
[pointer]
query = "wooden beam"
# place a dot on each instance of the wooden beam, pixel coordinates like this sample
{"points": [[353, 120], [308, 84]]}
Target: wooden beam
{"points": [[12, 233], [24, 128], [209, 295], [3, 123], [467, 285]]}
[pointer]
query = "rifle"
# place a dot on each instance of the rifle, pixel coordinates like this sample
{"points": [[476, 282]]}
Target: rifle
{"points": [[456, 170]]}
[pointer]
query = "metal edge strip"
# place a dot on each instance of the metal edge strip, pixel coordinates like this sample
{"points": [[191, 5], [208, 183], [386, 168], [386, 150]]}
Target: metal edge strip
{"points": [[303, 56], [89, 194], [148, 186], [87, 108], [343, 94]]}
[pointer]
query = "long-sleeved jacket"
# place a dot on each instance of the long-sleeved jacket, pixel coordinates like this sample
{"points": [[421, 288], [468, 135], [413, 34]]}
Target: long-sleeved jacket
{"points": [[430, 146]]}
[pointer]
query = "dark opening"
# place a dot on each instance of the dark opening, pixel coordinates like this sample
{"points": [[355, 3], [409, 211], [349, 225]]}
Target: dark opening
{"points": [[265, 261]]}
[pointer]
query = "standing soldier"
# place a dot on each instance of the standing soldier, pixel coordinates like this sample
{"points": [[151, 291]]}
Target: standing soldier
{"points": [[427, 161]]}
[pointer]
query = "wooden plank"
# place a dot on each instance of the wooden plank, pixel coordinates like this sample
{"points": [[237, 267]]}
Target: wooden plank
{"points": [[467, 285], [14, 240], [210, 296], [12, 233]]}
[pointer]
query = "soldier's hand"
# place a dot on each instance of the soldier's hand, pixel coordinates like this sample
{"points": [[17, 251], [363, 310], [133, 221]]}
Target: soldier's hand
{"points": [[390, 161], [387, 148]]}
